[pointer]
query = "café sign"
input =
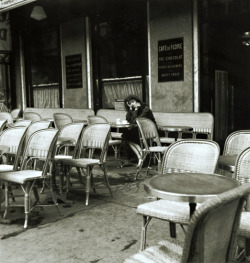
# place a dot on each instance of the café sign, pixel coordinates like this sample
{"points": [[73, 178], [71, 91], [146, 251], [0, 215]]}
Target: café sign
{"points": [[170, 60]]}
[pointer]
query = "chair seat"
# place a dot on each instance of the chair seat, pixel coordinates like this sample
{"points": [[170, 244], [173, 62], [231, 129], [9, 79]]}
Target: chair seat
{"points": [[81, 162], [116, 135], [166, 251], [167, 140], [244, 229], [158, 149], [6, 167], [114, 142], [21, 177], [177, 212], [62, 157]]}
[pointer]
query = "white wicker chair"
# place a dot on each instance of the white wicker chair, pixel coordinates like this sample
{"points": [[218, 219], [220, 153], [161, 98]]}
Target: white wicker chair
{"points": [[41, 145], [150, 142], [211, 235], [242, 174], [115, 140], [94, 136], [183, 156]]}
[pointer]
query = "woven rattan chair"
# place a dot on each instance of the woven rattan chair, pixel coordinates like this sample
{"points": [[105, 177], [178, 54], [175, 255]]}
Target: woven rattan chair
{"points": [[211, 235], [24, 123], [6, 116], [36, 126], [15, 113], [41, 145], [236, 142], [2, 125], [11, 145], [182, 156], [72, 132], [150, 141], [33, 116], [10, 141], [61, 119], [94, 137], [113, 142], [242, 174]]}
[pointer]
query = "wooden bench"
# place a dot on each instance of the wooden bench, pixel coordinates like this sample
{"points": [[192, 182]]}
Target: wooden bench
{"points": [[112, 115], [76, 114], [201, 122]]}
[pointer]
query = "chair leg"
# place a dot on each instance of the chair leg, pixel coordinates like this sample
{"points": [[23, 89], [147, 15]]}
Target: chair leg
{"points": [[6, 192], [107, 179], [61, 177], [87, 187], [11, 193], [145, 222], [26, 189], [172, 227]]}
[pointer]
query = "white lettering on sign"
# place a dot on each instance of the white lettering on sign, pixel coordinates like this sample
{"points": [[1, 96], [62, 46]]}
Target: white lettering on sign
{"points": [[170, 47]]}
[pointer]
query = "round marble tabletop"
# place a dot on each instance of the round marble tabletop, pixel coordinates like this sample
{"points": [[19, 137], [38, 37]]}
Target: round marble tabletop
{"points": [[189, 187]]}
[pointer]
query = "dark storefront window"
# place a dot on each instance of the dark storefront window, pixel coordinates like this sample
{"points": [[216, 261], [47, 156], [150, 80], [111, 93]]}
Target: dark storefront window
{"points": [[45, 73], [122, 49]]}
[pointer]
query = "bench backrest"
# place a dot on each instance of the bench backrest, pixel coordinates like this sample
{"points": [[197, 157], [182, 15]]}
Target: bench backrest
{"points": [[201, 122], [76, 114], [112, 115]]}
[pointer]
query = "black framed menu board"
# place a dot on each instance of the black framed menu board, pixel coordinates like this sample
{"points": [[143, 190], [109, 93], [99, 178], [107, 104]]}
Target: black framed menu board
{"points": [[73, 71], [170, 60]]}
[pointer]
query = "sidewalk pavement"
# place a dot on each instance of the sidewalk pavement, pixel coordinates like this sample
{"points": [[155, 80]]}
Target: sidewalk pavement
{"points": [[106, 231]]}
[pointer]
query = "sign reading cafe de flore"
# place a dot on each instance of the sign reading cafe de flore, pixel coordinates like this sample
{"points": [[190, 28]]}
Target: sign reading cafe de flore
{"points": [[170, 60]]}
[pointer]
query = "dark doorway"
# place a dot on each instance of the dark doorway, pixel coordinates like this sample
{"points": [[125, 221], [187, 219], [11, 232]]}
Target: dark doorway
{"points": [[225, 65]]}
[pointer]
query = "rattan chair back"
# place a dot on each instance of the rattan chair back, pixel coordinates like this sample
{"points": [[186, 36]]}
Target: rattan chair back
{"points": [[15, 113], [6, 116], [242, 166], [41, 145], [24, 123], [36, 126], [148, 132], [61, 119], [191, 155], [236, 142], [2, 125], [33, 116], [13, 138], [73, 131], [96, 119], [95, 136], [211, 235], [218, 221]]}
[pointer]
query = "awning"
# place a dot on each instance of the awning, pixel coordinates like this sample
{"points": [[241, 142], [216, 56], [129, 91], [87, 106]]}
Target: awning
{"points": [[6, 5]]}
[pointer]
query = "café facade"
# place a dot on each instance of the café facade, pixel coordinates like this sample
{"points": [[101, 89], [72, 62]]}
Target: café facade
{"points": [[176, 55]]}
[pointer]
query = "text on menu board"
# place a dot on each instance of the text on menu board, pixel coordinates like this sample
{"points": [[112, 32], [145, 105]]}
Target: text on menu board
{"points": [[170, 60], [73, 71]]}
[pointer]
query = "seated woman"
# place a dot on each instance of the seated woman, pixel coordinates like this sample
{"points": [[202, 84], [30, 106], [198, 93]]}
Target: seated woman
{"points": [[135, 109]]}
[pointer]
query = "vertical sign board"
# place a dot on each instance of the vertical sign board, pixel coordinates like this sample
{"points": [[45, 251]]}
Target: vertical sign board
{"points": [[170, 60], [73, 71]]}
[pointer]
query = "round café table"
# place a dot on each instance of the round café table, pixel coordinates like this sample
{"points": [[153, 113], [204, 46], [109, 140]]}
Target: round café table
{"points": [[178, 129], [121, 125], [227, 162], [189, 187]]}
